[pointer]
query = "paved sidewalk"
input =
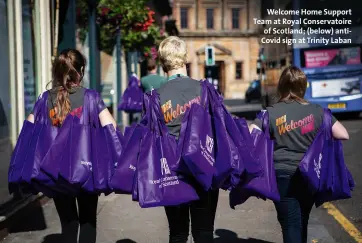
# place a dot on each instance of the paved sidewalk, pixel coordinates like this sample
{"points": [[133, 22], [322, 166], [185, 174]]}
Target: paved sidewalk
{"points": [[123, 221]]}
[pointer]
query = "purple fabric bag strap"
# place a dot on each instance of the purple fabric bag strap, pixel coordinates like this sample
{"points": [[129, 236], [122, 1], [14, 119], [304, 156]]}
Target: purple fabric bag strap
{"points": [[327, 123], [91, 107], [133, 81], [204, 94], [155, 115], [146, 119], [264, 117], [41, 108]]}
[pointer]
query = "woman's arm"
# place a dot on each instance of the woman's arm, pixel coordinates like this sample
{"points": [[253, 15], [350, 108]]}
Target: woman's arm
{"points": [[339, 131], [106, 118]]}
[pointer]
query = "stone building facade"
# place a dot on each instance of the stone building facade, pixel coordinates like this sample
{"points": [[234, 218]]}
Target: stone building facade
{"points": [[228, 26]]}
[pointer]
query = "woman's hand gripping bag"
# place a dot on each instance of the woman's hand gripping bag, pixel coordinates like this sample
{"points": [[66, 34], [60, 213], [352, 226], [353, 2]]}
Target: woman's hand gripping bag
{"points": [[131, 100], [336, 181], [158, 185], [264, 186], [196, 144]]}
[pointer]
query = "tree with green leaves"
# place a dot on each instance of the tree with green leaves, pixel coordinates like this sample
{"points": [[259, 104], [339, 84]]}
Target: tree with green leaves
{"points": [[130, 18]]}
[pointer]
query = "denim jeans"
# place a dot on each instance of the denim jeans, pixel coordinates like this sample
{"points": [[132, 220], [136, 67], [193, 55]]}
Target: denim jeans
{"points": [[294, 208], [202, 214], [84, 219]]}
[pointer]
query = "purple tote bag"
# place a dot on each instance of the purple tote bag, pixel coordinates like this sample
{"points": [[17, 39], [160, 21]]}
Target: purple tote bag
{"points": [[123, 176], [43, 137], [22, 147], [106, 146], [265, 185], [312, 164], [70, 158], [131, 100], [249, 165], [32, 145], [158, 185], [196, 142], [40, 141], [234, 157], [19, 155], [336, 181]]}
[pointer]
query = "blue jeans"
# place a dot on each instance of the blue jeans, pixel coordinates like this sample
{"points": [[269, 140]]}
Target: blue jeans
{"points": [[294, 208]]}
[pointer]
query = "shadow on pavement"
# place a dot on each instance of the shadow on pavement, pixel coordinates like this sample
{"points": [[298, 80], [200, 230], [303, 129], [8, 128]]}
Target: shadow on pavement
{"points": [[31, 218], [126, 241], [228, 236], [53, 238]]}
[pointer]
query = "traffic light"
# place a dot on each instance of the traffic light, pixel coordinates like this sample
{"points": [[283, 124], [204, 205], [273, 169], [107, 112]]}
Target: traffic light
{"points": [[260, 68], [210, 56]]}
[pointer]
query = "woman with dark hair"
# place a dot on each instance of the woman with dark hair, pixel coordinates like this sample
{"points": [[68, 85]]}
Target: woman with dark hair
{"points": [[66, 98], [291, 143]]}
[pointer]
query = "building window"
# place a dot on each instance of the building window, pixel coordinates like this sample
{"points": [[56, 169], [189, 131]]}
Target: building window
{"points": [[239, 70], [235, 18], [210, 18], [184, 18]]}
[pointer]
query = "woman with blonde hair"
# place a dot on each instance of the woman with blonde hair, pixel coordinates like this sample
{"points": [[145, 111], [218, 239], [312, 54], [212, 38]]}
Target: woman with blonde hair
{"points": [[178, 91]]}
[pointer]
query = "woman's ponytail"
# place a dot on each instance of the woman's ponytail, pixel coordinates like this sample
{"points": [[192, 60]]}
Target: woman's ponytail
{"points": [[67, 73]]}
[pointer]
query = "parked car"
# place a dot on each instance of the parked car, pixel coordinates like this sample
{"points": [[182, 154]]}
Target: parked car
{"points": [[253, 92]]}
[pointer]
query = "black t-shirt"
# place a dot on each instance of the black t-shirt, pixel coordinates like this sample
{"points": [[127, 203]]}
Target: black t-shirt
{"points": [[76, 99], [176, 97], [293, 126]]}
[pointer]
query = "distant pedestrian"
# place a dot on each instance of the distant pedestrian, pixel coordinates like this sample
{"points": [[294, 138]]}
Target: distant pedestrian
{"points": [[291, 144], [152, 80], [179, 91]]}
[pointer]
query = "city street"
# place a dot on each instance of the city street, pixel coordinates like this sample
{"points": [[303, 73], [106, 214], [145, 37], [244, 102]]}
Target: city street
{"points": [[123, 221]]}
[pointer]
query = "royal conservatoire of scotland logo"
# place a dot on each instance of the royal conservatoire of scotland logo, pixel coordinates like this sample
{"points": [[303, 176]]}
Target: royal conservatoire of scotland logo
{"points": [[87, 163], [165, 170], [209, 143]]}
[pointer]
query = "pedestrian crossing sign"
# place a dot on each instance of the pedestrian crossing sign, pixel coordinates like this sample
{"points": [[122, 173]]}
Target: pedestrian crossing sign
{"points": [[210, 56]]}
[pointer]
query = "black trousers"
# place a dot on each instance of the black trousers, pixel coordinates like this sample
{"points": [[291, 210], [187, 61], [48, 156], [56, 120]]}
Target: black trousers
{"points": [[294, 208], [202, 219], [84, 218]]}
